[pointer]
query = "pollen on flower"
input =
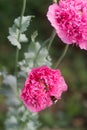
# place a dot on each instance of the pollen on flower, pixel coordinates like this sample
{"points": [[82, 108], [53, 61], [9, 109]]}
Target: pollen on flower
{"points": [[69, 18], [43, 87]]}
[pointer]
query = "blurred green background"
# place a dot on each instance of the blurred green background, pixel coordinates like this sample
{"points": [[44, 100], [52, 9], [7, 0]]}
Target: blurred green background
{"points": [[71, 111]]}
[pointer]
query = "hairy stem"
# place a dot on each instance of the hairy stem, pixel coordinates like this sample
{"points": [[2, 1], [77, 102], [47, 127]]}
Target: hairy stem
{"points": [[51, 39], [62, 56], [35, 60], [20, 25]]}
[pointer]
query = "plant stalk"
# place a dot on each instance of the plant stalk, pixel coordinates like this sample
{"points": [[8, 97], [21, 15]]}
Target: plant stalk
{"points": [[62, 56], [51, 39], [20, 25]]}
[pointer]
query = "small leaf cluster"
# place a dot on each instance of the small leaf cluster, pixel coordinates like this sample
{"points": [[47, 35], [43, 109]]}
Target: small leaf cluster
{"points": [[16, 32], [35, 56]]}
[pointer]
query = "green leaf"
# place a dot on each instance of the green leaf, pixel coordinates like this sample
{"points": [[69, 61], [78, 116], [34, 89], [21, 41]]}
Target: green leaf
{"points": [[11, 81], [14, 41], [25, 23], [23, 38], [33, 36], [16, 35]]}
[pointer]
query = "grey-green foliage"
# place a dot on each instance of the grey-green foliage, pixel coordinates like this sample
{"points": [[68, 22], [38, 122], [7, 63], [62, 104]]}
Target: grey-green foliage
{"points": [[16, 32], [35, 57], [11, 81], [18, 117]]}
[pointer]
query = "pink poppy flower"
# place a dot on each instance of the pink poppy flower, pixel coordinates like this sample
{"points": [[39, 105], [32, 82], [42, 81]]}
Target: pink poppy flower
{"points": [[42, 88], [69, 18]]}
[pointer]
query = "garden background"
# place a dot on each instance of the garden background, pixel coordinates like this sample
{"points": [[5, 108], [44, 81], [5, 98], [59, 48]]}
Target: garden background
{"points": [[71, 111]]}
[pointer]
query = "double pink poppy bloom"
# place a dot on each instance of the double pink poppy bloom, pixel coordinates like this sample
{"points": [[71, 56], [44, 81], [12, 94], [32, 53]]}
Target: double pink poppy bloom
{"points": [[69, 18], [42, 88]]}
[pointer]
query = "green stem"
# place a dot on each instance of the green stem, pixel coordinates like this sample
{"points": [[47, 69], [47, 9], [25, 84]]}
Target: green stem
{"points": [[16, 61], [49, 45], [39, 52], [51, 39], [62, 56], [20, 25]]}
